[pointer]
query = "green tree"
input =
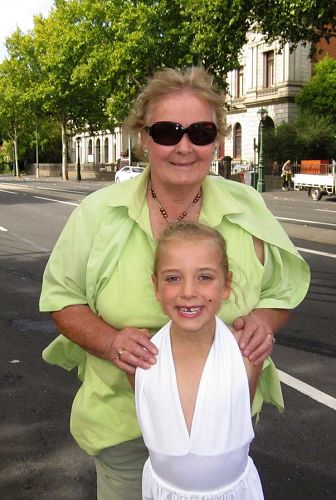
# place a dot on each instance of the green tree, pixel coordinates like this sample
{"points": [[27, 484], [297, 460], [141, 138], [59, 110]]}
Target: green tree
{"points": [[316, 137], [16, 117], [128, 41], [21, 52], [64, 93], [294, 21], [283, 144], [216, 29], [309, 137], [318, 96]]}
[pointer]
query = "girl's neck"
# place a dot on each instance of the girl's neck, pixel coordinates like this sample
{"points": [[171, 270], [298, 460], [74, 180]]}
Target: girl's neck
{"points": [[201, 338]]}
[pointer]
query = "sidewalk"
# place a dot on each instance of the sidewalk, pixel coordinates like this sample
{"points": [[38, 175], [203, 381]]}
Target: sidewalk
{"points": [[28, 179], [105, 182]]}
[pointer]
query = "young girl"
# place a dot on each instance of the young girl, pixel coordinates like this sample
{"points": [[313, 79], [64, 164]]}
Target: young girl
{"points": [[193, 406]]}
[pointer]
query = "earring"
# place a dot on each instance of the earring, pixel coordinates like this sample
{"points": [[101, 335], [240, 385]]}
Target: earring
{"points": [[145, 152]]}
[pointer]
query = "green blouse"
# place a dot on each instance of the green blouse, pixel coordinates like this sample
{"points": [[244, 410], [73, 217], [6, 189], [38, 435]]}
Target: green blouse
{"points": [[104, 258]]}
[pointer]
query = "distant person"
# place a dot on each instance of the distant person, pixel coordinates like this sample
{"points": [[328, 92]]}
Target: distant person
{"points": [[286, 174], [194, 405]]}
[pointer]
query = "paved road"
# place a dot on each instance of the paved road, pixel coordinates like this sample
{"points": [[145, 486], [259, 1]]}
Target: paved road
{"points": [[294, 451]]}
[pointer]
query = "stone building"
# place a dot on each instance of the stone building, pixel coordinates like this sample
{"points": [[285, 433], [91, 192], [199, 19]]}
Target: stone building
{"points": [[101, 150], [266, 78]]}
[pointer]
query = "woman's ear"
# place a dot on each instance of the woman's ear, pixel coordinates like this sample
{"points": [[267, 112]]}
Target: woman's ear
{"points": [[144, 139]]}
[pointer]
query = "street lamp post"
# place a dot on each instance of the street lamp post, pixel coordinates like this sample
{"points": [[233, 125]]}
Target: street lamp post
{"points": [[79, 177], [262, 115]]}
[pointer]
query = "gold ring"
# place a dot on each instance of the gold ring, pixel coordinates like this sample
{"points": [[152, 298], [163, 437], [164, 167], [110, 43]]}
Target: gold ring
{"points": [[120, 353], [270, 336]]}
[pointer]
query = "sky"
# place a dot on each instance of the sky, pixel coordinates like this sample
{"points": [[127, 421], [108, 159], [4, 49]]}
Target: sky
{"points": [[19, 13]]}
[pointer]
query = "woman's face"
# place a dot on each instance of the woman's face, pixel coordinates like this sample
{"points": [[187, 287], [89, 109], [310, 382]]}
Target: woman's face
{"points": [[183, 164]]}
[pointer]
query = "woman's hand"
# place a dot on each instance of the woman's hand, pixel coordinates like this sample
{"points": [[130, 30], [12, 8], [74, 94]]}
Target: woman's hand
{"points": [[258, 327], [126, 349], [132, 348]]}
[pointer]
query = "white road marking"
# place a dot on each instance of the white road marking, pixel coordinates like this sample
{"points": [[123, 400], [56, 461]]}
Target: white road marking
{"points": [[307, 221], [3, 229], [316, 252], [9, 192], [57, 201], [324, 210], [308, 390], [62, 190], [16, 186]]}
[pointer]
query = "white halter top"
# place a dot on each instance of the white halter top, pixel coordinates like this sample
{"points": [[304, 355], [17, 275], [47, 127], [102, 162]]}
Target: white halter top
{"points": [[221, 428]]}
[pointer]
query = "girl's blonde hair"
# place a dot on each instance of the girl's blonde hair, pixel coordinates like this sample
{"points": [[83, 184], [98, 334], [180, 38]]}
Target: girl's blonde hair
{"points": [[168, 81], [188, 230]]}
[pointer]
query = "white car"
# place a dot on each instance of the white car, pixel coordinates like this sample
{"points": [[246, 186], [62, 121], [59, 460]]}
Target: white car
{"points": [[128, 172]]}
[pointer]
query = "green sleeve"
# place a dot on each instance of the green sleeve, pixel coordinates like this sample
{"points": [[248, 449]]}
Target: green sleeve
{"points": [[285, 281], [64, 280]]}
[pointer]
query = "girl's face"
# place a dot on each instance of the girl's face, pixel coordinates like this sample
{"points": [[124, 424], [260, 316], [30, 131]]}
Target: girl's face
{"points": [[183, 164], [190, 283]]}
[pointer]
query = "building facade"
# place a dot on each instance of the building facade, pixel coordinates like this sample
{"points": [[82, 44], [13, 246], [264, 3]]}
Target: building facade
{"points": [[103, 149], [266, 78]]}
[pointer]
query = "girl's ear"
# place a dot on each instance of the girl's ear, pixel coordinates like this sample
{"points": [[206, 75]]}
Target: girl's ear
{"points": [[227, 286]]}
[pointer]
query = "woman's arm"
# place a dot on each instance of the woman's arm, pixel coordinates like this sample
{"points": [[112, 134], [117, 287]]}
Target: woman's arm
{"points": [[258, 327], [127, 348]]}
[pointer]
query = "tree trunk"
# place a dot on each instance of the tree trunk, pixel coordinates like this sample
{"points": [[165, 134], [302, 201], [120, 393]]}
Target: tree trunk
{"points": [[65, 175], [37, 151], [16, 154]]}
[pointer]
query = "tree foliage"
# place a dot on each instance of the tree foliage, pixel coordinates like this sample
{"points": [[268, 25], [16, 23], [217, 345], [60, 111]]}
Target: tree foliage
{"points": [[295, 21], [318, 96], [309, 137], [16, 115]]}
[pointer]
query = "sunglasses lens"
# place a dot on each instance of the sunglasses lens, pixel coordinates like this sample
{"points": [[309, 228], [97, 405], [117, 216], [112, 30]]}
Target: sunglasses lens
{"points": [[166, 133], [202, 133], [170, 133]]}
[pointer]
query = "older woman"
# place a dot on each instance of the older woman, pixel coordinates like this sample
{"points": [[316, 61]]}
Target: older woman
{"points": [[102, 299]]}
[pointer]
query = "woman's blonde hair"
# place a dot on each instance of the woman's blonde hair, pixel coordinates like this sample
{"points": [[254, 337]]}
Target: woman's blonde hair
{"points": [[168, 81], [186, 231]]}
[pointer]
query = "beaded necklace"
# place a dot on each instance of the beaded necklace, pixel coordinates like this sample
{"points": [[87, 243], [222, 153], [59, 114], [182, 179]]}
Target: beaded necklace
{"points": [[182, 215]]}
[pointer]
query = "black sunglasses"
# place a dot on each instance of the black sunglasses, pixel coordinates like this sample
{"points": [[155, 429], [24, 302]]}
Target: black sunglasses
{"points": [[170, 133]]}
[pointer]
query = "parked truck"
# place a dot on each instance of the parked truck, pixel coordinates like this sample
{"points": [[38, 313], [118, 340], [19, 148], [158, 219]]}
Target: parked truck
{"points": [[317, 177]]}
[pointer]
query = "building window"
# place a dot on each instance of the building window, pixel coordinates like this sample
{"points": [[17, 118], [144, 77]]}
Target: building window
{"points": [[237, 135], [98, 151], [106, 150], [90, 147], [269, 68], [240, 81]]}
